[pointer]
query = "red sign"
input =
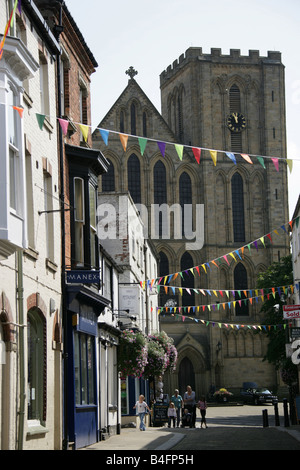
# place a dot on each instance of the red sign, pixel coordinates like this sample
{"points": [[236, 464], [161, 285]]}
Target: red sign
{"points": [[291, 311]]}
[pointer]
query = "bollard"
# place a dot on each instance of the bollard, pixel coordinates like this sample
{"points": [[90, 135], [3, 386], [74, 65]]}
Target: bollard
{"points": [[277, 422], [286, 414], [265, 419]]}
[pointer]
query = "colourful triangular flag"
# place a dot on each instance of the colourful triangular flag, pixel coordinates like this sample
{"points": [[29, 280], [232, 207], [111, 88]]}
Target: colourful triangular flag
{"points": [[40, 119], [290, 165], [276, 163], [20, 110], [231, 156], [213, 154], [162, 147], [85, 131], [123, 139], [142, 143], [179, 150], [247, 158], [64, 124], [261, 161], [197, 153], [104, 134]]}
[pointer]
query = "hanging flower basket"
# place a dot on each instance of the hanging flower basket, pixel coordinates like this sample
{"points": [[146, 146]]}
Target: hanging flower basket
{"points": [[170, 350], [132, 354], [156, 360]]}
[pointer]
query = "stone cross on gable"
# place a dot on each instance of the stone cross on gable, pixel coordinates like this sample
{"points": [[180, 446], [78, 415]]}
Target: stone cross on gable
{"points": [[131, 72]]}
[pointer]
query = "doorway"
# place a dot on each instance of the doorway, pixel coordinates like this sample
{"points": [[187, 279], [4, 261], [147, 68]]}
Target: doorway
{"points": [[186, 375]]}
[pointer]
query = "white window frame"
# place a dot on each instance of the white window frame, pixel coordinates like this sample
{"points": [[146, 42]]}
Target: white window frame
{"points": [[79, 219]]}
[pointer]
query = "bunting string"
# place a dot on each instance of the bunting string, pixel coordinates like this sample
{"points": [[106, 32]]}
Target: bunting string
{"points": [[227, 325], [236, 255], [142, 141], [64, 123], [214, 307], [263, 293]]}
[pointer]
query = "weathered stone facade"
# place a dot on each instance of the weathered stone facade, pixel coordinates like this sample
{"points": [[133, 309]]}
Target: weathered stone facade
{"points": [[241, 202]]}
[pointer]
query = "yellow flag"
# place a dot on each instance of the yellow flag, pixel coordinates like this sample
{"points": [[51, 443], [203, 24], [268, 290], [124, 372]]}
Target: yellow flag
{"points": [[84, 130], [179, 150], [290, 165], [213, 154]]}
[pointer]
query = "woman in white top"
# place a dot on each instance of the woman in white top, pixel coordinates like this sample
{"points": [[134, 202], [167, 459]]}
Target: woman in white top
{"points": [[189, 399], [142, 407]]}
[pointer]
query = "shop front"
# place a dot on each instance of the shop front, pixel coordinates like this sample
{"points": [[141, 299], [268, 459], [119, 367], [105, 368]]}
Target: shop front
{"points": [[83, 308]]}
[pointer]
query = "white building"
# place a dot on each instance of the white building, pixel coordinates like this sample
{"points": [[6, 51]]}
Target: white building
{"points": [[296, 251], [124, 236], [30, 251], [295, 240]]}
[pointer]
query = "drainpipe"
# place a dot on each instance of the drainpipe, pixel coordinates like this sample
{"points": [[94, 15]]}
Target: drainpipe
{"points": [[20, 291], [57, 31]]}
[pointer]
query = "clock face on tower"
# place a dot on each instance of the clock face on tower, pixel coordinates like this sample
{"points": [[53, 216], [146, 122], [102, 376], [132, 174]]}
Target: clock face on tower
{"points": [[236, 122]]}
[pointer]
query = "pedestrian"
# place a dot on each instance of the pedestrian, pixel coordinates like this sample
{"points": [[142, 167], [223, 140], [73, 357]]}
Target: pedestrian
{"points": [[202, 405], [171, 414], [142, 408], [189, 399], [178, 402]]}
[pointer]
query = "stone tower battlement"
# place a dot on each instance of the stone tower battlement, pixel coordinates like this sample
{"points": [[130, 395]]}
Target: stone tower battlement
{"points": [[196, 54]]}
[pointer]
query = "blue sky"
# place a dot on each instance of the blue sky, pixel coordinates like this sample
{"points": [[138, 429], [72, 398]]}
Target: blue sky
{"points": [[151, 35]]}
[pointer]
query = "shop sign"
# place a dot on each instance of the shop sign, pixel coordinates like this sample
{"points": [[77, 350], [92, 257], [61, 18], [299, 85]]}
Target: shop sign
{"points": [[83, 277], [291, 311]]}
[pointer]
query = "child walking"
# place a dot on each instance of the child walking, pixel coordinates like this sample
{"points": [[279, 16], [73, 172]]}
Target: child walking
{"points": [[142, 407], [202, 405], [172, 414]]}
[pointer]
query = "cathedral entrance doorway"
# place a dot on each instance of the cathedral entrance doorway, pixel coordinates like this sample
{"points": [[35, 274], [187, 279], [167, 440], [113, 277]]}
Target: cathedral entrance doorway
{"points": [[186, 375]]}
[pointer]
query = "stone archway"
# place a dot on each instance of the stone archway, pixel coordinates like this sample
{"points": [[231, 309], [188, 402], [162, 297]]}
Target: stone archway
{"points": [[191, 368], [186, 375]]}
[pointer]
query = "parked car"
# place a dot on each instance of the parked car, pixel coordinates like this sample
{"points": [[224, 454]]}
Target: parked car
{"points": [[255, 395]]}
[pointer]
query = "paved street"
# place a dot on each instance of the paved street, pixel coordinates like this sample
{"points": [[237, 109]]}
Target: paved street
{"points": [[229, 428], [239, 428]]}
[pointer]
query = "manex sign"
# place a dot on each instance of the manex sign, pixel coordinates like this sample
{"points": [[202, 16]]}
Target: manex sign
{"points": [[83, 277]]}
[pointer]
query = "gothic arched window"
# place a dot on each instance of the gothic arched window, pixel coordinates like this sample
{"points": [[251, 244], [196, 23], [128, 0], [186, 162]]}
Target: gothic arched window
{"points": [[122, 121], [188, 296], [144, 124], [185, 197], [238, 214], [160, 188], [134, 178], [240, 284], [133, 118], [163, 264], [108, 178]]}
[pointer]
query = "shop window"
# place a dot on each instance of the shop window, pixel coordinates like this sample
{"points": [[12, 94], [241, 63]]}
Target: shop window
{"points": [[84, 364]]}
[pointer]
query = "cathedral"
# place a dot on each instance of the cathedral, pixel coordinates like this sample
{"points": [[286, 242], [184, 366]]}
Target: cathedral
{"points": [[209, 177]]}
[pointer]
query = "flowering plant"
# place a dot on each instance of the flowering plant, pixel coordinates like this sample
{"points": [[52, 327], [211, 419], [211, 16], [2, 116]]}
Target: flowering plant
{"points": [[157, 360], [132, 354], [169, 349], [222, 392]]}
